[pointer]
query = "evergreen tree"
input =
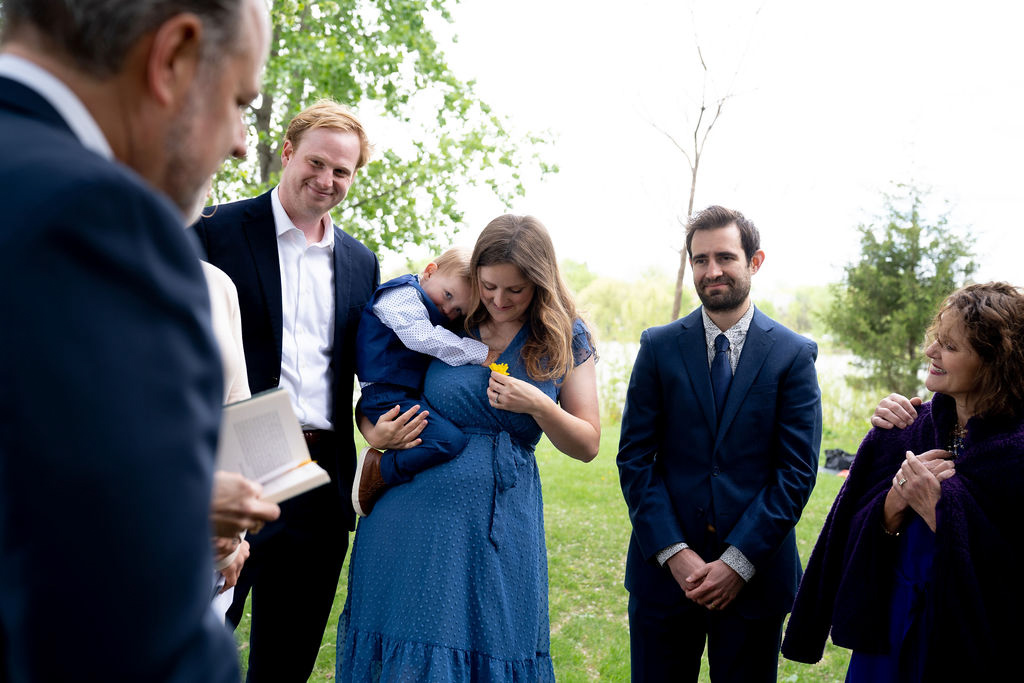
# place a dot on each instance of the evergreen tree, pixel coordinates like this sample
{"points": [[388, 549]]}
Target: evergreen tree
{"points": [[882, 308]]}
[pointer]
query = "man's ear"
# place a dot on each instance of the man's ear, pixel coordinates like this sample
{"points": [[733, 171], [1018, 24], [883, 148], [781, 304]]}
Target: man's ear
{"points": [[287, 149], [173, 59], [756, 260]]}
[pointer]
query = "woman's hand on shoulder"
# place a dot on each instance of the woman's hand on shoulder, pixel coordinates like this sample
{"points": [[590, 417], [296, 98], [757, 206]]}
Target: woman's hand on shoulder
{"points": [[895, 410]]}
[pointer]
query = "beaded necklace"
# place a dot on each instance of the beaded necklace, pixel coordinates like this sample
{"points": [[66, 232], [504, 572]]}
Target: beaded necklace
{"points": [[956, 440]]}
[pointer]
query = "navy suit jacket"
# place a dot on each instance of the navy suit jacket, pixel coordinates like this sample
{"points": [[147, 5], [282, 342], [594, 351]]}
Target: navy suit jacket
{"points": [[241, 239], [110, 393], [749, 475]]}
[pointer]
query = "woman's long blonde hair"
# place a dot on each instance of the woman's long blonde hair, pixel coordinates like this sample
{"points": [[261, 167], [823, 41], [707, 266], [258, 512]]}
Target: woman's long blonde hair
{"points": [[524, 242]]}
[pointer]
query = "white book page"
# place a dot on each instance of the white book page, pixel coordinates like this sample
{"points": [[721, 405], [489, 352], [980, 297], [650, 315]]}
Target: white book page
{"points": [[260, 437], [262, 440]]}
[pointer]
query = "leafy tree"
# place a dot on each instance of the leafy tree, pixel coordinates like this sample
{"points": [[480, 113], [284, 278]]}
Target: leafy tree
{"points": [[804, 311], [620, 311], [887, 299], [798, 308], [577, 275], [617, 312], [381, 58]]}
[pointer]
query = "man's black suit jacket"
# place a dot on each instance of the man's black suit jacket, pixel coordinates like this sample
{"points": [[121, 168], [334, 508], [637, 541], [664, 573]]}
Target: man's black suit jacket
{"points": [[110, 393], [241, 239]]}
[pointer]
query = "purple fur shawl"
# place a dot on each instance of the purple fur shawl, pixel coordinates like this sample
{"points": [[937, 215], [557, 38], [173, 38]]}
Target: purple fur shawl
{"points": [[976, 597]]}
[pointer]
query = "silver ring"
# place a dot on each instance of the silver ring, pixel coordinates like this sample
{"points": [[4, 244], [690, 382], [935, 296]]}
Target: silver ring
{"points": [[902, 481]]}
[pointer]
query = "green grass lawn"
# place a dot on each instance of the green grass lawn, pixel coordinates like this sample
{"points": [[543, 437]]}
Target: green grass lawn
{"points": [[587, 534]]}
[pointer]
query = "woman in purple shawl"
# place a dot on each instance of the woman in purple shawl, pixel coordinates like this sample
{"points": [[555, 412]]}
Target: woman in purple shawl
{"points": [[917, 567]]}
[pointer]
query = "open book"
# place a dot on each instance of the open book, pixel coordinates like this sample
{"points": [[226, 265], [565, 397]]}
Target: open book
{"points": [[260, 438]]}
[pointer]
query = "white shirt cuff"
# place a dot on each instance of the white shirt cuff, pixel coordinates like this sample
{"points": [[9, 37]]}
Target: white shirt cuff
{"points": [[738, 562], [668, 552]]}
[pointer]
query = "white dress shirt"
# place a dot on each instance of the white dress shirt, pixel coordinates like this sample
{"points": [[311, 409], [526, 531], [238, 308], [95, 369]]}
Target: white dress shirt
{"points": [[307, 317], [403, 311], [737, 336]]}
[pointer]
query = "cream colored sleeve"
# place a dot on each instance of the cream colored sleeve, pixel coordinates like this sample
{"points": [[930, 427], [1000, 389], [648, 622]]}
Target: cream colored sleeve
{"points": [[227, 328]]}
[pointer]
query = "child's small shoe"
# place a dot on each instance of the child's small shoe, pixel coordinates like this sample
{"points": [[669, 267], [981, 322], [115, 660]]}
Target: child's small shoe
{"points": [[368, 484]]}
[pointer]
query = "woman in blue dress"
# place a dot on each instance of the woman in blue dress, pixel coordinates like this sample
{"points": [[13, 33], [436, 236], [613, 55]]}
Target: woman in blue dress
{"points": [[448, 578]]}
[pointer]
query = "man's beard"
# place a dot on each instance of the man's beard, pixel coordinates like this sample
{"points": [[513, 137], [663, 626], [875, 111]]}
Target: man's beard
{"points": [[199, 203], [728, 300], [186, 184]]}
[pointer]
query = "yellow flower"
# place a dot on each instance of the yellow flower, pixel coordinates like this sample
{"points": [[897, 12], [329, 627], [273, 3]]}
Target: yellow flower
{"points": [[501, 368]]}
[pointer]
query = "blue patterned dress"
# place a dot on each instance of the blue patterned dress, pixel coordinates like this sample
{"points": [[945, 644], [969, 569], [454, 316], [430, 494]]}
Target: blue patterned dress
{"points": [[448, 578]]}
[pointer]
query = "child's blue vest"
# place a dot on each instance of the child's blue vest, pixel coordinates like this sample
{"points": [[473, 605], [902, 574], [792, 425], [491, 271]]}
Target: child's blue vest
{"points": [[380, 354]]}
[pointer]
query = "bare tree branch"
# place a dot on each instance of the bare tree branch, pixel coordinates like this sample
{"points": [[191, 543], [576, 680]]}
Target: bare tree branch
{"points": [[701, 131], [696, 129], [746, 49], [674, 142], [718, 112]]}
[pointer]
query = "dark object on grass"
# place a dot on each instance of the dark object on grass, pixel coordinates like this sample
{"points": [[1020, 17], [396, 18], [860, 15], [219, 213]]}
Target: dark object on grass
{"points": [[837, 459]]}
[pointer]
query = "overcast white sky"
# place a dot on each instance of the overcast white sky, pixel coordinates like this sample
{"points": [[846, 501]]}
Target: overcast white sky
{"points": [[831, 103]]}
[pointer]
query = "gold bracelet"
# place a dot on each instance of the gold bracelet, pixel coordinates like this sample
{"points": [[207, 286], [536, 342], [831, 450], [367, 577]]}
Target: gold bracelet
{"points": [[890, 533]]}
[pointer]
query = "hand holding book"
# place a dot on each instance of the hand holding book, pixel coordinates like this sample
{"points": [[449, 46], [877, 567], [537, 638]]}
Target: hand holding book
{"points": [[236, 506], [261, 438]]}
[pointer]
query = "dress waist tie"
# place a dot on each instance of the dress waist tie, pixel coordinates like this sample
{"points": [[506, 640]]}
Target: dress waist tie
{"points": [[507, 454]]}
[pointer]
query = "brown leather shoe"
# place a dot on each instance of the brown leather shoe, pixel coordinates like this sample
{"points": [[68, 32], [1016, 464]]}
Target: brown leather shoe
{"points": [[368, 484]]}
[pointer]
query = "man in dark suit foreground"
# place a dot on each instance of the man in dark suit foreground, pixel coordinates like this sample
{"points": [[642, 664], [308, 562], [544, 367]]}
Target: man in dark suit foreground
{"points": [[111, 381], [717, 458], [302, 284]]}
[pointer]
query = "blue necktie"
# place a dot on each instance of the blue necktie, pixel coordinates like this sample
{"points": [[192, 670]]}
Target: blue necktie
{"points": [[721, 372]]}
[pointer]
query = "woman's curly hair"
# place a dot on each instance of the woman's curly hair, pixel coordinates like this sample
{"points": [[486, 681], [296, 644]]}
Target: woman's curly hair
{"points": [[992, 315]]}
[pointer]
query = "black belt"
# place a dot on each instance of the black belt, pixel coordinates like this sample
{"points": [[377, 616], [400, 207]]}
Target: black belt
{"points": [[317, 438]]}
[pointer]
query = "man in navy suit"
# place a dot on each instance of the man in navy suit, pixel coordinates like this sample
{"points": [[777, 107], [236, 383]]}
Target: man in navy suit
{"points": [[717, 458], [302, 284], [111, 383]]}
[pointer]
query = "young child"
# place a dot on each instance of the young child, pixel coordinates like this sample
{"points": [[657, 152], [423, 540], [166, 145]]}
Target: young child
{"points": [[402, 329]]}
